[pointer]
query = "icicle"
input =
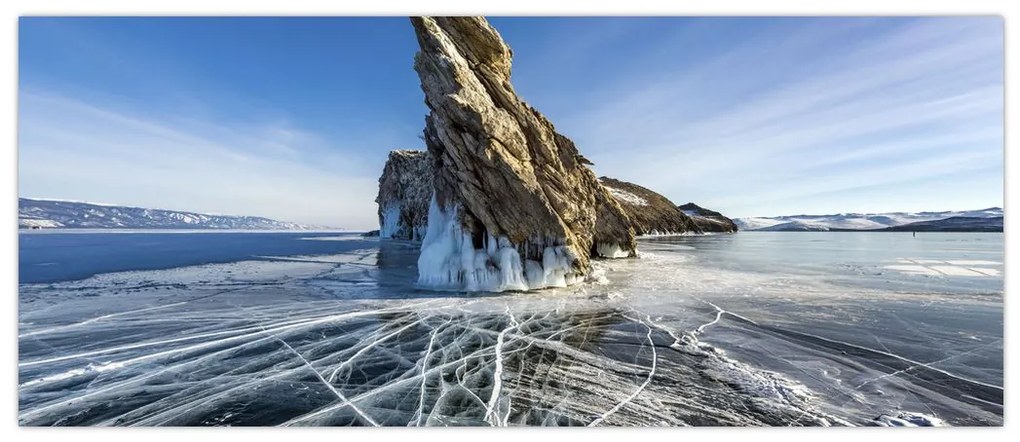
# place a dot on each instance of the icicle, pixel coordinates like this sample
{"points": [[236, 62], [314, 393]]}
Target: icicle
{"points": [[611, 250], [449, 260], [389, 221]]}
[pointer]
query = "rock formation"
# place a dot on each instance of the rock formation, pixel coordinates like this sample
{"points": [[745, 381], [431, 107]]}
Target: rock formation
{"points": [[405, 189], [650, 213], [708, 220], [514, 206]]}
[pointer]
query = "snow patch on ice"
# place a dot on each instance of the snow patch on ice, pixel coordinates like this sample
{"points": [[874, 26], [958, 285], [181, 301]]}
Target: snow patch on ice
{"points": [[956, 271], [973, 262], [598, 274], [913, 270], [931, 267], [909, 419]]}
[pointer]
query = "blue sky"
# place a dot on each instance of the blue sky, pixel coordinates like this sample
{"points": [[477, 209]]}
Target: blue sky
{"points": [[292, 118]]}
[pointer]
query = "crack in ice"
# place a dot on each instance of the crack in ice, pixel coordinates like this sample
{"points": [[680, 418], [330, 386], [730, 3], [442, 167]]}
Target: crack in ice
{"points": [[497, 375], [718, 316], [927, 365], [365, 349], [651, 374], [97, 319], [343, 399], [424, 367], [280, 326]]}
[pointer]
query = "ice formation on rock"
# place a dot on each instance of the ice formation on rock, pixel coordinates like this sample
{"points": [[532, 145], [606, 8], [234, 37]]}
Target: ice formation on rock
{"points": [[405, 188], [611, 250], [389, 220], [505, 180], [450, 259], [650, 213]]}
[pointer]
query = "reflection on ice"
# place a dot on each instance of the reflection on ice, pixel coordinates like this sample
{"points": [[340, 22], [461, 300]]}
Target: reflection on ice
{"points": [[673, 338]]}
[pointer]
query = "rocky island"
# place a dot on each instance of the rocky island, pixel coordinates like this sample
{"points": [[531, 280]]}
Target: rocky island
{"points": [[405, 188], [500, 200], [514, 205]]}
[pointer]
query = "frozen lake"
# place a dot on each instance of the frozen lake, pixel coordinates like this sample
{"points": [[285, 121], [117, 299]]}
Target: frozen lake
{"points": [[156, 328], [50, 256]]}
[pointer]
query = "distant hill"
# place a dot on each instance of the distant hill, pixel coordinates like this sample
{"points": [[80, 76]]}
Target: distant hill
{"points": [[971, 220], [649, 212], [953, 224], [33, 213], [708, 220]]}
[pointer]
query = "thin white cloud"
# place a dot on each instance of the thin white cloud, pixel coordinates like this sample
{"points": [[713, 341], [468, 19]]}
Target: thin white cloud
{"points": [[814, 125], [74, 150]]}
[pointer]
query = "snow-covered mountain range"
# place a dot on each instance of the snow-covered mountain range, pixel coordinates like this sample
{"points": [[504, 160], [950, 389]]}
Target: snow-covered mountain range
{"points": [[34, 213], [872, 221]]}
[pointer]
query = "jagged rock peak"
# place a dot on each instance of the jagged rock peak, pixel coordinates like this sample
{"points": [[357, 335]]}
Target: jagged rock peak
{"points": [[405, 188], [514, 205], [650, 213]]}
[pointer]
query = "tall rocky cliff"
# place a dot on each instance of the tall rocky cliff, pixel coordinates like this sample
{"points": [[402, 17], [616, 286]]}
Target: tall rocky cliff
{"points": [[405, 188], [515, 206]]}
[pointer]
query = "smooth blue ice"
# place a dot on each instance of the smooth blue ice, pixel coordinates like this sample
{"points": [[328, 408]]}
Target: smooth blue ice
{"points": [[52, 256]]}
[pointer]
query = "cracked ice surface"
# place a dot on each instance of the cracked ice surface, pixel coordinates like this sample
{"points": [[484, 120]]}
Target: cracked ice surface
{"points": [[714, 330]]}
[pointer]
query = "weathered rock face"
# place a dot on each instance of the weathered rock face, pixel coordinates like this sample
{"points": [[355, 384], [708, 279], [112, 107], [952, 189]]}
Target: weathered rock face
{"points": [[405, 189], [515, 206], [709, 220], [649, 212]]}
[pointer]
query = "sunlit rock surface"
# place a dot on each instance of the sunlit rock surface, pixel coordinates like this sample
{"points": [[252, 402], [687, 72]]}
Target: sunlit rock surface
{"points": [[708, 220], [405, 188], [676, 337], [650, 213], [515, 205]]}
